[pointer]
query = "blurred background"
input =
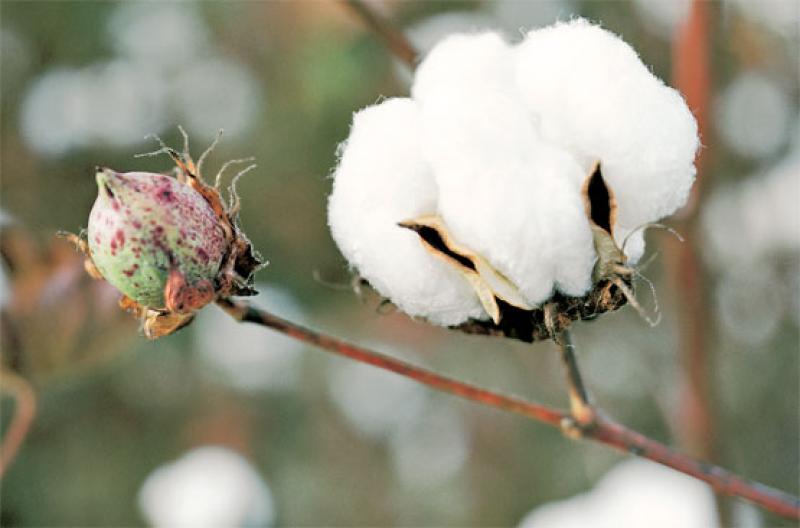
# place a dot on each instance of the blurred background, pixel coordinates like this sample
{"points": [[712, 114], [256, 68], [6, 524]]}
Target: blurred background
{"points": [[229, 425]]}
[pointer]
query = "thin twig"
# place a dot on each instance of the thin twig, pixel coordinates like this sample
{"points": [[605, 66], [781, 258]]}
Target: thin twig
{"points": [[579, 400], [604, 430], [25, 409], [395, 40]]}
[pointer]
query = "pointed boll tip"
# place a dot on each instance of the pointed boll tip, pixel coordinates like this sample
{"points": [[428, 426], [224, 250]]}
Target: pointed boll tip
{"points": [[105, 180]]}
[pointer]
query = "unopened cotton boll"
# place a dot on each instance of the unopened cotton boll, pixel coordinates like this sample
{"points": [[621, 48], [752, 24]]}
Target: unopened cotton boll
{"points": [[382, 180]]}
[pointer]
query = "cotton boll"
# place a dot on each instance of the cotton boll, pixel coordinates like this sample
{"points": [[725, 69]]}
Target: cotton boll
{"points": [[593, 96], [757, 218], [207, 487], [753, 115], [635, 493], [376, 403], [497, 142], [381, 180], [663, 18]]}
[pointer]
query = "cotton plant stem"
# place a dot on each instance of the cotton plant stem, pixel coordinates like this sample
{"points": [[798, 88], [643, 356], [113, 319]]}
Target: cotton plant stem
{"points": [[579, 400], [695, 421], [395, 40], [25, 410], [691, 75], [603, 429]]}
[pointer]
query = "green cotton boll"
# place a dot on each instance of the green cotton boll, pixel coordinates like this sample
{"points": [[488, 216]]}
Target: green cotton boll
{"points": [[145, 225]]}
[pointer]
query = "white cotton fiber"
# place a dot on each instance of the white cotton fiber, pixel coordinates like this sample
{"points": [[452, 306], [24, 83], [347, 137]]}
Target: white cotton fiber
{"points": [[465, 61], [382, 180], [592, 94], [498, 141], [504, 193]]}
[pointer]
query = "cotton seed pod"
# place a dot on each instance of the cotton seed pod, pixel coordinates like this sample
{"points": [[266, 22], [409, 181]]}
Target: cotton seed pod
{"points": [[169, 244], [145, 225]]}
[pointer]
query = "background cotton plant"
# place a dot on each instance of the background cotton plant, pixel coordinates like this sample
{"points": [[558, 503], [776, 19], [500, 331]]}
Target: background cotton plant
{"points": [[498, 140]]}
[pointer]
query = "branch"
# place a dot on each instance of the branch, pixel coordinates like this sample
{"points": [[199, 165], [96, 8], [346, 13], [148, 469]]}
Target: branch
{"points": [[602, 430], [25, 399], [395, 40]]}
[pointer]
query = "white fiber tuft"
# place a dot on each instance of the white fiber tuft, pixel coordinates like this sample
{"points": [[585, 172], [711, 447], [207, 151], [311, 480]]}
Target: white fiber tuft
{"points": [[382, 180]]}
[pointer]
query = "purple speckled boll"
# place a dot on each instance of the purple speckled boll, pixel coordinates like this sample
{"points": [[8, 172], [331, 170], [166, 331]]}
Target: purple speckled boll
{"points": [[144, 225]]}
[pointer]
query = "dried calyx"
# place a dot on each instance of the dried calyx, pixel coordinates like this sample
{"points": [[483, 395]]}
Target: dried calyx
{"points": [[169, 244]]}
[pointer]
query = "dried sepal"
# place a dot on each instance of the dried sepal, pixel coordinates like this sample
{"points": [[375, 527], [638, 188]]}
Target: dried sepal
{"points": [[79, 241], [601, 210], [612, 263], [489, 284]]}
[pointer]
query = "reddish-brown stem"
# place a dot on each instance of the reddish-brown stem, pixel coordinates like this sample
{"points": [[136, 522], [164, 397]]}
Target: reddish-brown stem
{"points": [[395, 40], [691, 76], [25, 409], [603, 429]]}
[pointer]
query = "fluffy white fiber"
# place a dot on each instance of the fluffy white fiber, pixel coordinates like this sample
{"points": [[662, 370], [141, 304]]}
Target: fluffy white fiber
{"points": [[498, 140]]}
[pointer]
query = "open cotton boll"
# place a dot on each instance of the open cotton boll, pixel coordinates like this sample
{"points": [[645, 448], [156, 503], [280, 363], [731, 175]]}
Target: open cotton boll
{"points": [[591, 93], [381, 180], [487, 166], [506, 195]]}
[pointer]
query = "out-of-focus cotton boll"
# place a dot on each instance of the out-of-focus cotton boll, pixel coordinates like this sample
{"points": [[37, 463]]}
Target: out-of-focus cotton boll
{"points": [[378, 404], [782, 16], [752, 115], [432, 450], [663, 18], [635, 493], [116, 102], [207, 487], [758, 218], [56, 111], [592, 95], [749, 303], [161, 34], [216, 93], [246, 356], [128, 102], [382, 180]]}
